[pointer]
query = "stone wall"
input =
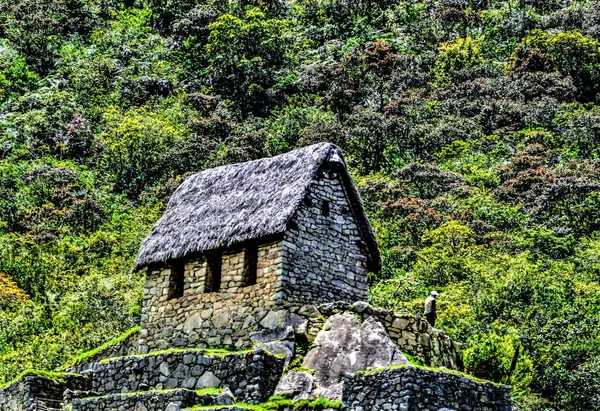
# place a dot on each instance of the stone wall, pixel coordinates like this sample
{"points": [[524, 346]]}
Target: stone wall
{"points": [[224, 318], [149, 400], [324, 259], [411, 389], [22, 395], [251, 376]]}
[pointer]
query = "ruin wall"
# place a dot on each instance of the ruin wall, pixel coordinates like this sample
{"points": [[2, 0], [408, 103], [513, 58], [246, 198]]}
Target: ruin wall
{"points": [[223, 318], [412, 388]]}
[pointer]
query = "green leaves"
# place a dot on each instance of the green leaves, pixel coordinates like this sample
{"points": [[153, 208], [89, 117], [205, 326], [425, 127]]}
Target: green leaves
{"points": [[244, 52], [462, 54], [137, 147], [570, 52]]}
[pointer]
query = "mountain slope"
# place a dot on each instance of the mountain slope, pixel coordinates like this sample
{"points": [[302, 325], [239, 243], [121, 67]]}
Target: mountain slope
{"points": [[471, 127]]}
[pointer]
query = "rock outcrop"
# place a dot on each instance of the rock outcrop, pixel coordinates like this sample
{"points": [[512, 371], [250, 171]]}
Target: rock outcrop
{"points": [[346, 345]]}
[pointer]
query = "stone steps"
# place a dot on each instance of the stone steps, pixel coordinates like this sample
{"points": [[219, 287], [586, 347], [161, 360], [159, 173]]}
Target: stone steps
{"points": [[250, 375], [152, 400]]}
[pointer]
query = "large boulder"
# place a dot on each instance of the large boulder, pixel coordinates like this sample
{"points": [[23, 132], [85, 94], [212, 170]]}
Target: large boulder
{"points": [[297, 385], [344, 346]]}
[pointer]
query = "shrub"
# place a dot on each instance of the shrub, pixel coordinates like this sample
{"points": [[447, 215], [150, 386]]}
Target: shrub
{"points": [[462, 54]]}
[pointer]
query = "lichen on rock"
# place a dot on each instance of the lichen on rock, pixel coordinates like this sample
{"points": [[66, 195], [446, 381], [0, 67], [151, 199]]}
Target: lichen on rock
{"points": [[344, 346]]}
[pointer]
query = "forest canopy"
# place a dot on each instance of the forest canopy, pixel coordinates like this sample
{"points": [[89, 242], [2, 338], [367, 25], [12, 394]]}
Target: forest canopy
{"points": [[472, 129]]}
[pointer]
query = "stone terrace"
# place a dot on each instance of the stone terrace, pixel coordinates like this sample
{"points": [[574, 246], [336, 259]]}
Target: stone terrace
{"points": [[149, 400], [412, 388], [152, 381], [251, 376]]}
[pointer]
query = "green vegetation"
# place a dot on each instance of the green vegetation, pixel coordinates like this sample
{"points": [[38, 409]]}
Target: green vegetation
{"points": [[276, 403], [204, 391], [428, 368], [104, 347], [209, 391], [209, 352], [472, 130], [54, 376]]}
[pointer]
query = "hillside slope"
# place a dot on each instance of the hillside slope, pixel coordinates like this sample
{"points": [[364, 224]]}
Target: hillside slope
{"points": [[472, 129]]}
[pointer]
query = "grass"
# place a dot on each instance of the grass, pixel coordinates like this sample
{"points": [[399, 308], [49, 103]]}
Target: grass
{"points": [[211, 352], [205, 391], [55, 376], [413, 360], [277, 403], [300, 369], [81, 358], [209, 391], [428, 368]]}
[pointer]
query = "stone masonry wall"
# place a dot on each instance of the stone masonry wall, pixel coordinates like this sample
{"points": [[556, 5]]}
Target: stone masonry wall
{"points": [[323, 258], [411, 389], [223, 318], [251, 376], [150, 400], [21, 395]]}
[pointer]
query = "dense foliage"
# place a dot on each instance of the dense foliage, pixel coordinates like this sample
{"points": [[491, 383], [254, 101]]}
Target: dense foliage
{"points": [[471, 127]]}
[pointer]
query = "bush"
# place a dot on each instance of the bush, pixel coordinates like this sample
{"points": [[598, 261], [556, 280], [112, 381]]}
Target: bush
{"points": [[137, 148], [462, 54], [572, 53]]}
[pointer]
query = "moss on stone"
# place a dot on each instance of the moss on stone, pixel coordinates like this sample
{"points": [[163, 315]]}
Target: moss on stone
{"points": [[54, 376], [276, 403], [428, 368], [300, 369], [209, 391], [205, 391], [413, 360], [81, 358], [209, 352]]}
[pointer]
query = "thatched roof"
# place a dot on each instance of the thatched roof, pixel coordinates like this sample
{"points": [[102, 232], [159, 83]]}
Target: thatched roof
{"points": [[231, 204]]}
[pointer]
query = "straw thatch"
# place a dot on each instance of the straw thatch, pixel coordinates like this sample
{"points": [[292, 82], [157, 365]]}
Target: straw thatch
{"points": [[226, 205]]}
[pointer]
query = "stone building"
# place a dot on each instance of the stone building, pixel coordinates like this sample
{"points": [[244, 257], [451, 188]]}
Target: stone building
{"points": [[241, 247]]}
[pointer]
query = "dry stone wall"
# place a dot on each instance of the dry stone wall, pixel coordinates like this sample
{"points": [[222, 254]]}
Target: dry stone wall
{"points": [[251, 376], [324, 258], [23, 394], [411, 389], [146, 401], [128, 346], [224, 318]]}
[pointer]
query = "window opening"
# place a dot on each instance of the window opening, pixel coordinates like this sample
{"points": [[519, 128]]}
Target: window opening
{"points": [[325, 208], [176, 280], [251, 263], [213, 273]]}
